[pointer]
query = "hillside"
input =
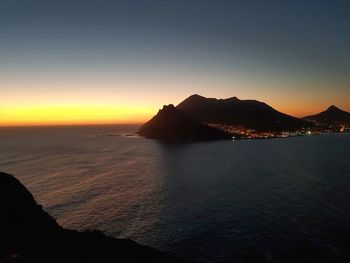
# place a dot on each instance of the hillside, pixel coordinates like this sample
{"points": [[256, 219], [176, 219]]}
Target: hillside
{"points": [[171, 123], [332, 115], [233, 111]]}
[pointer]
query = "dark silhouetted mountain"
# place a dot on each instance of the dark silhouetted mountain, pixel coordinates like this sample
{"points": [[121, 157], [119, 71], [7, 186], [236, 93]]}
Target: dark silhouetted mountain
{"points": [[332, 115], [233, 111], [173, 124], [29, 234]]}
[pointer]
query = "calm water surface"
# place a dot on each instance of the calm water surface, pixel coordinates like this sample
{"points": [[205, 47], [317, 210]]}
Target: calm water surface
{"points": [[206, 201]]}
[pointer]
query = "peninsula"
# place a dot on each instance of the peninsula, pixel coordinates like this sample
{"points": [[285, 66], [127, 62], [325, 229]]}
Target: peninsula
{"points": [[201, 118], [173, 124]]}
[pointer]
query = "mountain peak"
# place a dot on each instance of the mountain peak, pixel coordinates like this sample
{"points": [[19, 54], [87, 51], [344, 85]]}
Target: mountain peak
{"points": [[196, 96], [233, 98], [332, 115], [332, 108], [168, 107], [173, 124]]}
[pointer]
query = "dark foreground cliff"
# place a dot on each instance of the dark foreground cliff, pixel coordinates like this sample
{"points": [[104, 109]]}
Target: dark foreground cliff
{"points": [[29, 234]]}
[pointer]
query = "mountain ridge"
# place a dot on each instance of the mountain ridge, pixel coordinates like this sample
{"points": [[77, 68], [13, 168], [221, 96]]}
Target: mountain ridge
{"points": [[233, 111], [332, 115]]}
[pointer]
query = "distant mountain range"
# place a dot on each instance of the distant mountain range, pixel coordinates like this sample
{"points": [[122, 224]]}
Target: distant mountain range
{"points": [[194, 118], [233, 111], [332, 115], [171, 123]]}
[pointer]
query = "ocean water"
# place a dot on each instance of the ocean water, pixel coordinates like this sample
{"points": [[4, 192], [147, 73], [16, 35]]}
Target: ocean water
{"points": [[210, 201]]}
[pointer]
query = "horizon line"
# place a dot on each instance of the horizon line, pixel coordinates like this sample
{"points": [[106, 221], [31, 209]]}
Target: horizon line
{"points": [[67, 124], [135, 121]]}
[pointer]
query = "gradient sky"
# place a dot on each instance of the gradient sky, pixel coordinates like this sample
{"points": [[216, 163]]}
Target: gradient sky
{"points": [[103, 61]]}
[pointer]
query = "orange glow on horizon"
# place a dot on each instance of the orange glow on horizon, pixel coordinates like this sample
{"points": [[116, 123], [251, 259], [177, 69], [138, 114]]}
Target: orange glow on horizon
{"points": [[35, 113], [81, 98], [73, 115]]}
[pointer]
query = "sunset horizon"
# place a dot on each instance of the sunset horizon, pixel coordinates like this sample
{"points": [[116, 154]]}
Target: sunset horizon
{"points": [[110, 114], [175, 131], [120, 62]]}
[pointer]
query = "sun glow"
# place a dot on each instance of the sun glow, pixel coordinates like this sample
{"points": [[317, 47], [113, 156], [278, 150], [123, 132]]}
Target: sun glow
{"points": [[73, 114]]}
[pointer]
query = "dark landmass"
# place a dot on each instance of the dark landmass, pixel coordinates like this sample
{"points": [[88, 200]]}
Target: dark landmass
{"points": [[173, 124], [29, 234], [200, 118], [331, 116], [233, 111]]}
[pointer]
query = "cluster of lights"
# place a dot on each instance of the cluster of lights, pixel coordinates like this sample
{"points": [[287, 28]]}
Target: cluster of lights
{"points": [[239, 131]]}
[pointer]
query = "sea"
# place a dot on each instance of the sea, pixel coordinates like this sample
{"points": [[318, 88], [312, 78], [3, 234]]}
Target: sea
{"points": [[207, 201]]}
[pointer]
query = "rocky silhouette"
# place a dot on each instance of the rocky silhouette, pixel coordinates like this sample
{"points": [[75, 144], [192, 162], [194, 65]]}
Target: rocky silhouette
{"points": [[29, 234], [332, 115], [173, 124], [233, 111]]}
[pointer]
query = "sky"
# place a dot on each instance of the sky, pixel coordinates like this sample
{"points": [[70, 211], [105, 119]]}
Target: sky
{"points": [[75, 62]]}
